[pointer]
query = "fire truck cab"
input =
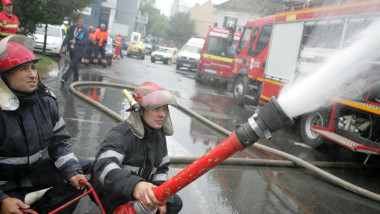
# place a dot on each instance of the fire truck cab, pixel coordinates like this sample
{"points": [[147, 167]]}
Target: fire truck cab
{"points": [[217, 55], [250, 59]]}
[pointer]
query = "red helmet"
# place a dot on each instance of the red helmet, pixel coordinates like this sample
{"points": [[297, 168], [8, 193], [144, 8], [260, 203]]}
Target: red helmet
{"points": [[14, 51], [150, 96]]}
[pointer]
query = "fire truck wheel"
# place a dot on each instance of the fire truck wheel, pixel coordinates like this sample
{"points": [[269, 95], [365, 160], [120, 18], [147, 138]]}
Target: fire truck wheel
{"points": [[319, 118], [240, 90]]}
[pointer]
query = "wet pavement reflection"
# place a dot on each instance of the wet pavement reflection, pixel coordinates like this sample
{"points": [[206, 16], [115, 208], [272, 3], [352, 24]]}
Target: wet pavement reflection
{"points": [[225, 189]]}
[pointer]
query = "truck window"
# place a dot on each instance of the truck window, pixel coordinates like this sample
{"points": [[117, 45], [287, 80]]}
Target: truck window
{"points": [[253, 38], [244, 39], [263, 39], [218, 46]]}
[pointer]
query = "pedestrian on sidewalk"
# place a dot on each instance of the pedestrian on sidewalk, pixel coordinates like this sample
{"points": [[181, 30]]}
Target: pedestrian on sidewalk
{"points": [[31, 124], [77, 39]]}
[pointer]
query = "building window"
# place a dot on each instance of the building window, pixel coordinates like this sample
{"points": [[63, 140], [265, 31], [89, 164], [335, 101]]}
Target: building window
{"points": [[229, 21]]}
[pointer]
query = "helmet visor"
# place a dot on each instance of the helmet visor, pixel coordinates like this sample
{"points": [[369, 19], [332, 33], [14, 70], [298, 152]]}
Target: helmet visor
{"points": [[156, 99], [20, 39]]}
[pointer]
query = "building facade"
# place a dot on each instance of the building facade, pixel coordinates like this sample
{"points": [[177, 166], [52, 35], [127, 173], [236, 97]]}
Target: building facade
{"points": [[119, 16]]}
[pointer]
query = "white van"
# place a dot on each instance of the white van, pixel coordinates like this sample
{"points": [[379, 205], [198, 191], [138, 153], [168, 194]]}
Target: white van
{"points": [[55, 36], [190, 53]]}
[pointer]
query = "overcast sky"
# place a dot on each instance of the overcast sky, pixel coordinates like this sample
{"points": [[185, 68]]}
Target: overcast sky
{"points": [[165, 5]]}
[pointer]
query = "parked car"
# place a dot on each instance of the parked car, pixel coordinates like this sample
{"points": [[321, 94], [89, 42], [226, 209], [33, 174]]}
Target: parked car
{"points": [[148, 49], [133, 49], [55, 36], [165, 55]]}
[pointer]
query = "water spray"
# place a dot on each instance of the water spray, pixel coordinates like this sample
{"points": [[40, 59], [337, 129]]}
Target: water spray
{"points": [[269, 118]]}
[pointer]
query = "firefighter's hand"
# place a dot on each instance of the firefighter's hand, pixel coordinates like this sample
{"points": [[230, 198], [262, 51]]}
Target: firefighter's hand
{"points": [[12, 206], [73, 42], [144, 194], [75, 181], [162, 208], [63, 49]]}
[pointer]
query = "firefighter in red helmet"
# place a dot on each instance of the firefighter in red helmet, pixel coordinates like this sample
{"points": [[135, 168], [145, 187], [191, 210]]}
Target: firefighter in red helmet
{"points": [[31, 124], [133, 157], [9, 23]]}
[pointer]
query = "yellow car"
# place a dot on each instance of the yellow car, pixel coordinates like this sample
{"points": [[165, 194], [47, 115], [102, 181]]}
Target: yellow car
{"points": [[165, 55], [133, 49]]}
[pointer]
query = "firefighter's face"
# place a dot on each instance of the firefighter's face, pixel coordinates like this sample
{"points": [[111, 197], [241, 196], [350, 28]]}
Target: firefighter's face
{"points": [[23, 78], [8, 8], [155, 117]]}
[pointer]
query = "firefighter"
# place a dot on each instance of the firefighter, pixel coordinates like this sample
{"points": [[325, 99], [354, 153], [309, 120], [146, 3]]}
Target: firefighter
{"points": [[77, 39], [101, 36], [117, 47], [141, 47], [133, 156], [90, 47], [30, 125], [8, 21], [65, 25]]}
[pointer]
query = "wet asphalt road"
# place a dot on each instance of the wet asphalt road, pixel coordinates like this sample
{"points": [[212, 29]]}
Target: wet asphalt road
{"points": [[225, 189]]}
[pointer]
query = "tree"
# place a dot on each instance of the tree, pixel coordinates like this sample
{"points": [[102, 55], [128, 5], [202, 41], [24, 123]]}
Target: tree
{"points": [[181, 27], [33, 12]]}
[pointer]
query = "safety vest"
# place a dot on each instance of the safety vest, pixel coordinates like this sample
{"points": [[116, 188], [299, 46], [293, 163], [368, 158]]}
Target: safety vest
{"points": [[100, 35], [118, 41], [92, 36], [8, 24]]}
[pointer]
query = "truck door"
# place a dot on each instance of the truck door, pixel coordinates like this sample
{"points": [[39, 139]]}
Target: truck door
{"points": [[282, 58]]}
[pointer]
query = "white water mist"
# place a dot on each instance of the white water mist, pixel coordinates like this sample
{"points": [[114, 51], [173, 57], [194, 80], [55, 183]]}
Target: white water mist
{"points": [[311, 93]]}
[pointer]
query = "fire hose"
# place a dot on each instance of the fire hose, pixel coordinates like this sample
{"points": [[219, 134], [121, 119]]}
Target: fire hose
{"points": [[269, 119], [91, 190]]}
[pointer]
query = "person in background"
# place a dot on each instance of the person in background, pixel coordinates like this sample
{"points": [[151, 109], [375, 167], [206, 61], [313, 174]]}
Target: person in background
{"points": [[30, 124], [122, 46], [133, 156], [65, 25], [9, 23], [90, 47], [117, 47], [77, 39], [141, 47], [101, 36]]}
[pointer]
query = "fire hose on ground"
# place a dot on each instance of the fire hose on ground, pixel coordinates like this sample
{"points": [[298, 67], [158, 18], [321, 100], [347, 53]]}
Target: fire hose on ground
{"points": [[270, 118]]}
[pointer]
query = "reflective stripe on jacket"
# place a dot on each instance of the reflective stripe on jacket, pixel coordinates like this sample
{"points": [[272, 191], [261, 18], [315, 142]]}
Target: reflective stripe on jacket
{"points": [[8, 24], [123, 160]]}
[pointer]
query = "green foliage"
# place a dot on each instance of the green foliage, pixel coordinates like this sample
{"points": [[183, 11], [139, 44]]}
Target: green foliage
{"points": [[146, 5], [181, 27], [33, 12], [157, 23]]}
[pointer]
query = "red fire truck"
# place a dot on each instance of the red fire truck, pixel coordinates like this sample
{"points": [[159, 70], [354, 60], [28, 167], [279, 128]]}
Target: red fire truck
{"points": [[297, 42], [217, 55]]}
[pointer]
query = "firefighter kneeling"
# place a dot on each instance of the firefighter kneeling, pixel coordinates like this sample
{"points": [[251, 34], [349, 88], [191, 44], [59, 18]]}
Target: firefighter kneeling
{"points": [[133, 157]]}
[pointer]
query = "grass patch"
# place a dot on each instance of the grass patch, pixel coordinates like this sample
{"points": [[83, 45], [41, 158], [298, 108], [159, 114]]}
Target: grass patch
{"points": [[44, 65]]}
